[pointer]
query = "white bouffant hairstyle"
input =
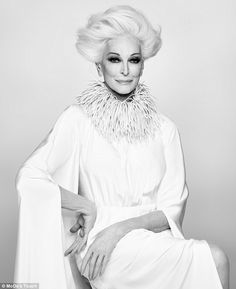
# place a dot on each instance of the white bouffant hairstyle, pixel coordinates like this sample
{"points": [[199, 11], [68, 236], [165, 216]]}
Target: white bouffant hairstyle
{"points": [[116, 21]]}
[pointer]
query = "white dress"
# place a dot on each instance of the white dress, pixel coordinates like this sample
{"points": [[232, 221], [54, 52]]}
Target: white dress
{"points": [[125, 179]]}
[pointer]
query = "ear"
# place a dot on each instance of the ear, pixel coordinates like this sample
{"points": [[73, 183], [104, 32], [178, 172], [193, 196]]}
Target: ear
{"points": [[142, 67], [99, 69]]}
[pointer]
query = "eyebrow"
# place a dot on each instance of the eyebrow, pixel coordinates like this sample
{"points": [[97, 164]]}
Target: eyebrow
{"points": [[119, 54]]}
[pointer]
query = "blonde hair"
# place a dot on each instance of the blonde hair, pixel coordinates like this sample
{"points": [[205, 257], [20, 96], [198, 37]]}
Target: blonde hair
{"points": [[115, 21]]}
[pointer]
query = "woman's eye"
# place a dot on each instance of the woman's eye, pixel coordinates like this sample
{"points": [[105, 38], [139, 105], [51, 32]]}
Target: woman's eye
{"points": [[135, 60], [114, 59]]}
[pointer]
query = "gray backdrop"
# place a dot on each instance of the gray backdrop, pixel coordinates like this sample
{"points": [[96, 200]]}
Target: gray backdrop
{"points": [[192, 77]]}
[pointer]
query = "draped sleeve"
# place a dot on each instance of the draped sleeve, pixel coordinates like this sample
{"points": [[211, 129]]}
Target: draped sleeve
{"points": [[173, 192], [40, 249]]}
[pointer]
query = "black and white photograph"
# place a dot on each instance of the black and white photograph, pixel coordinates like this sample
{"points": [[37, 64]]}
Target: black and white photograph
{"points": [[118, 144]]}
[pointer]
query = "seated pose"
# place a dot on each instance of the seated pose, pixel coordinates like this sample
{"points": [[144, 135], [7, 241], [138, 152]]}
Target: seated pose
{"points": [[102, 198]]}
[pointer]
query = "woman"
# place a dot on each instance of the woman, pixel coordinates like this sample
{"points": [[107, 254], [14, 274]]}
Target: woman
{"points": [[107, 186]]}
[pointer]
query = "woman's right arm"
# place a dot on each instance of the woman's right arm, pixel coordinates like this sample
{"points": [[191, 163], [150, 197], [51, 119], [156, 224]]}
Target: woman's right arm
{"points": [[75, 202], [40, 247], [83, 207]]}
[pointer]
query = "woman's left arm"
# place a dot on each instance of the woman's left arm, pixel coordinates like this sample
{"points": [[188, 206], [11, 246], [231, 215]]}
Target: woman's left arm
{"points": [[155, 221], [99, 252]]}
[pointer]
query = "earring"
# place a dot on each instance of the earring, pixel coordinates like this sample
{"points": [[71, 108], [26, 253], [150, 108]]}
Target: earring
{"points": [[99, 69]]}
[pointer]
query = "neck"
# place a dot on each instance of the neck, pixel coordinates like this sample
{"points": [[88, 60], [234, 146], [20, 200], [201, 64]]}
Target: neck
{"points": [[121, 97], [116, 120]]}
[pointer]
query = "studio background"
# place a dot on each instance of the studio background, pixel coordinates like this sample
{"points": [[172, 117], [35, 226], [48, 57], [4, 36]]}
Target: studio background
{"points": [[192, 78]]}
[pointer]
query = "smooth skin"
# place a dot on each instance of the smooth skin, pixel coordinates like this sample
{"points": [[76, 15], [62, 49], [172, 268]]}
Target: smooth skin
{"points": [[122, 65], [121, 68]]}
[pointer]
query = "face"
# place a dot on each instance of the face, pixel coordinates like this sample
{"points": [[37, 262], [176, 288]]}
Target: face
{"points": [[122, 64]]}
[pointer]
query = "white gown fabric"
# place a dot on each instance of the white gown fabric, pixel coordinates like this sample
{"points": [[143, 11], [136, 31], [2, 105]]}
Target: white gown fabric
{"points": [[124, 180]]}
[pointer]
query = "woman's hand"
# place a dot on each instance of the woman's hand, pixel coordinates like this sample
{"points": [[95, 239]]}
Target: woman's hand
{"points": [[99, 252], [85, 221]]}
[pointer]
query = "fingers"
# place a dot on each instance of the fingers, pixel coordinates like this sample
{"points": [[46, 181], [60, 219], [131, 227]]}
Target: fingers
{"points": [[85, 262], [77, 245], [104, 264], [78, 224], [82, 233], [92, 264], [75, 228], [98, 266], [76, 249], [81, 219], [101, 265], [74, 244]]}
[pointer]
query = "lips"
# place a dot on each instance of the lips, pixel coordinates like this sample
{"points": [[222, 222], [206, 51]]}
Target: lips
{"points": [[124, 81]]}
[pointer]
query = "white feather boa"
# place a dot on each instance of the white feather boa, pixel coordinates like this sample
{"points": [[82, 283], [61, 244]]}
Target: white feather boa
{"points": [[135, 118]]}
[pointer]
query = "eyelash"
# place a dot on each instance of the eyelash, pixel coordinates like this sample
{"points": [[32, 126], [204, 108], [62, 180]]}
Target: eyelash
{"points": [[135, 60]]}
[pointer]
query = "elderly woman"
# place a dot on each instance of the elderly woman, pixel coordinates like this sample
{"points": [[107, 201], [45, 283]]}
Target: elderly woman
{"points": [[102, 198]]}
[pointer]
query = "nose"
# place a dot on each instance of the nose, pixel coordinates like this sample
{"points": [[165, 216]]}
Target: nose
{"points": [[125, 69]]}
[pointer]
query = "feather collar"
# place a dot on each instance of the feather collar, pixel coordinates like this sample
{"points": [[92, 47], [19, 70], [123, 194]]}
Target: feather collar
{"points": [[135, 118]]}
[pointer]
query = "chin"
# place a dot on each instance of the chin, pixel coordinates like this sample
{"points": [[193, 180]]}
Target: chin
{"points": [[124, 89]]}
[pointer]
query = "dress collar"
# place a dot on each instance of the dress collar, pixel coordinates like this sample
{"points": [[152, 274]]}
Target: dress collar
{"points": [[135, 119]]}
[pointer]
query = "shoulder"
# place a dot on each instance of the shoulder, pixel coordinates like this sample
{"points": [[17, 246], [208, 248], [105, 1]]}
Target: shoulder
{"points": [[71, 111], [71, 114], [69, 121], [168, 128]]}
